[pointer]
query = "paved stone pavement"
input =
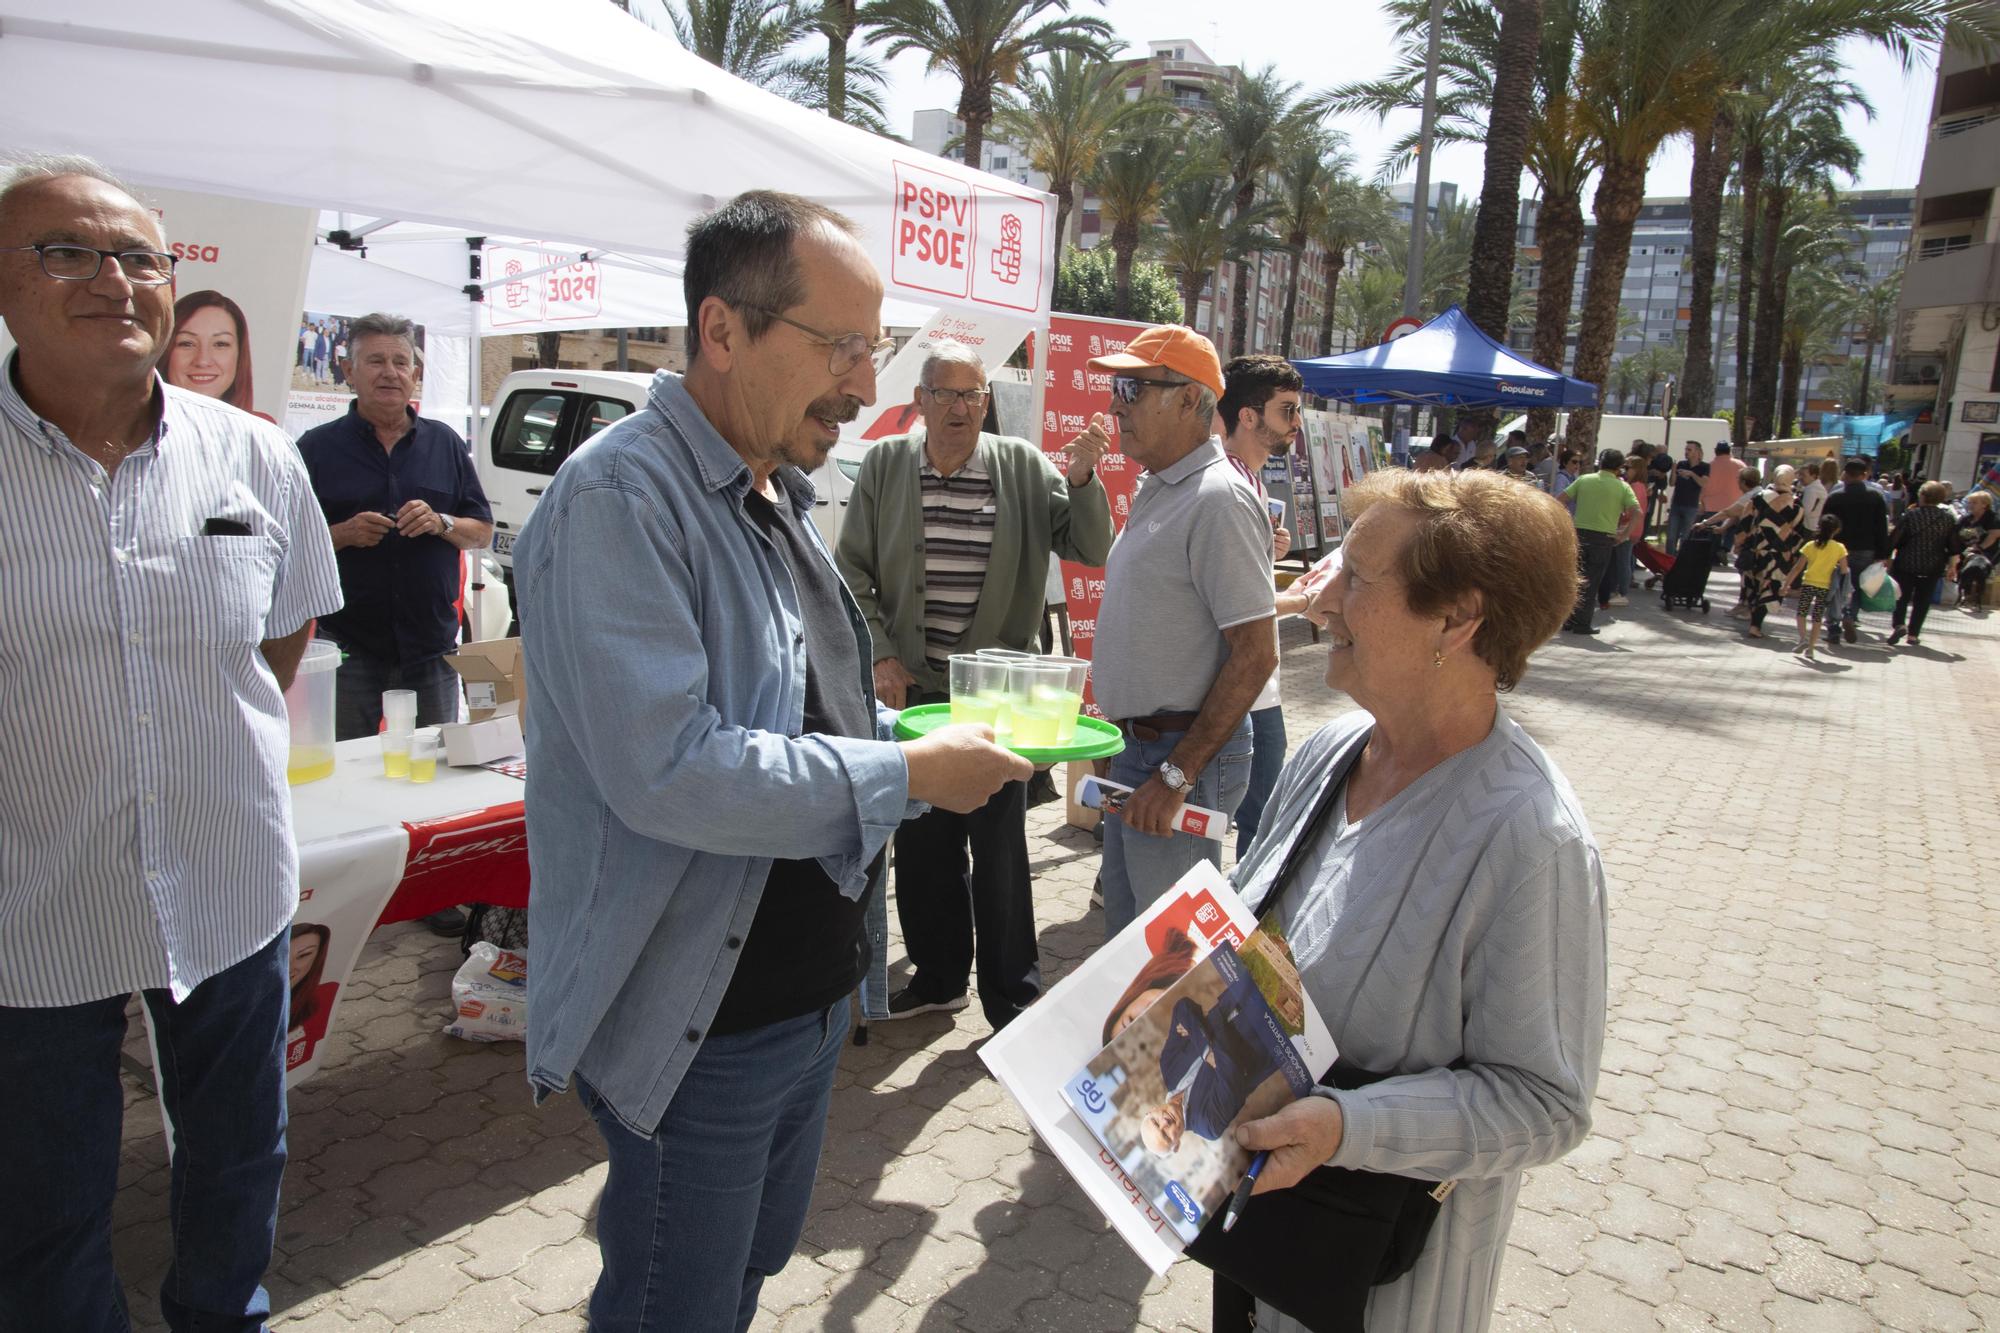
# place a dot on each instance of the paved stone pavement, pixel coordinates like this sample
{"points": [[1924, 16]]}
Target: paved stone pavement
{"points": [[1798, 1123]]}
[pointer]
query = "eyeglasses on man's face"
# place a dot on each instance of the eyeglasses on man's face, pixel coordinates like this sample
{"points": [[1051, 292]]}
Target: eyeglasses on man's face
{"points": [[1127, 388], [82, 263], [1286, 411], [844, 353], [950, 398]]}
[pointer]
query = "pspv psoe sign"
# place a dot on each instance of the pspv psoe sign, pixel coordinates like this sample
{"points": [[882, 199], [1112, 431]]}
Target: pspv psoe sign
{"points": [[968, 242]]}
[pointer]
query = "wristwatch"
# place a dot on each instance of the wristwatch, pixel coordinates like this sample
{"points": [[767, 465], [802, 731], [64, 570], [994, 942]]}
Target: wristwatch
{"points": [[446, 519], [1171, 774]]}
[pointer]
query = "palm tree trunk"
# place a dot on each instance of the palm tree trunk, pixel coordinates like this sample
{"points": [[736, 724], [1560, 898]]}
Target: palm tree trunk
{"points": [[1751, 175], [838, 30], [1496, 231], [1292, 297], [975, 108], [1191, 285], [1065, 194], [1620, 192], [1867, 364], [548, 350], [1335, 262], [1764, 350], [1788, 389], [1124, 245], [1239, 317], [1711, 173], [1559, 232]]}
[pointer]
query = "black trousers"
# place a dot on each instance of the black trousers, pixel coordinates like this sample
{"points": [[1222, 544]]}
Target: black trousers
{"points": [[1593, 556], [1915, 603], [950, 912]]}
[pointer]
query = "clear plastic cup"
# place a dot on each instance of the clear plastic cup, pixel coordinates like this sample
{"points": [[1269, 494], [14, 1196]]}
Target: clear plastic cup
{"points": [[976, 683], [424, 746], [396, 754], [1039, 690], [1078, 673], [399, 709]]}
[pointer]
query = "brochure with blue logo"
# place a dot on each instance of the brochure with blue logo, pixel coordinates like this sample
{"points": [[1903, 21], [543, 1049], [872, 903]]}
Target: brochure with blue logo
{"points": [[1040, 1056], [1207, 1053]]}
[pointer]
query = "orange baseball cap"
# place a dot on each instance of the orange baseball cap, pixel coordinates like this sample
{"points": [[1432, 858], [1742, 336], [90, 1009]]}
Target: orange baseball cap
{"points": [[1173, 347]]}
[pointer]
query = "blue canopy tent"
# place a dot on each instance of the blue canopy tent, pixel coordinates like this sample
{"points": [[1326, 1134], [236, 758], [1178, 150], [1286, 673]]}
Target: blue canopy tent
{"points": [[1449, 362]]}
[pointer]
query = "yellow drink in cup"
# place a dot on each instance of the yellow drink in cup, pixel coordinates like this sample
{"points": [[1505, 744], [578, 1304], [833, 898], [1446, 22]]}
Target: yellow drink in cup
{"points": [[979, 691], [424, 747], [1077, 672], [396, 753]]}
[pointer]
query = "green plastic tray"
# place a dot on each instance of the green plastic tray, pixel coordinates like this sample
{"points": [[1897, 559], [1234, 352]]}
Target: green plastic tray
{"points": [[1095, 739]]}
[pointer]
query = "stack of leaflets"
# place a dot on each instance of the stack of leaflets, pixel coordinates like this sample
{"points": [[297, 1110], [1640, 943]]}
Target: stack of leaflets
{"points": [[1137, 1067]]}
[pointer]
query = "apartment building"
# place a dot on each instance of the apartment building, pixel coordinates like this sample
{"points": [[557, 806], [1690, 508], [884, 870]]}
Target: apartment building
{"points": [[1947, 363]]}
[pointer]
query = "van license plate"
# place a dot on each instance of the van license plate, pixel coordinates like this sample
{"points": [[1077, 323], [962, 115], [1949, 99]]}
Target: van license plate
{"points": [[503, 542]]}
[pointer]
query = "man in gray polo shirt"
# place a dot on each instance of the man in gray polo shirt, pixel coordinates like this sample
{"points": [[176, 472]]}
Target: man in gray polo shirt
{"points": [[1184, 636]]}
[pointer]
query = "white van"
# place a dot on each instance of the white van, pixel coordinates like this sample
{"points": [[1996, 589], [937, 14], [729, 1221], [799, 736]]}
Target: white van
{"points": [[540, 416], [1618, 432]]}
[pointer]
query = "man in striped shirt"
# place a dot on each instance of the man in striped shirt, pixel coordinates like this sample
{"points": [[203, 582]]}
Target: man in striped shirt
{"points": [[164, 560], [946, 545]]}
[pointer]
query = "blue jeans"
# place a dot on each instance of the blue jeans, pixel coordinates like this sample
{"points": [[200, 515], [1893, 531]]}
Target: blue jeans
{"points": [[698, 1213], [222, 1073], [357, 708], [1618, 574], [1679, 519], [1843, 603], [1267, 759], [1139, 867]]}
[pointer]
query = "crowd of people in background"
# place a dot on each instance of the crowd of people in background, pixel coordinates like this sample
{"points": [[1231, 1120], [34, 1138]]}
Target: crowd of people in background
{"points": [[1809, 534], [323, 349]]}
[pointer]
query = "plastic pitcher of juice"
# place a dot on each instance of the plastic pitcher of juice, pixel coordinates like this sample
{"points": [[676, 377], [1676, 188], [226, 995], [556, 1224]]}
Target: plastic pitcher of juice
{"points": [[309, 708]]}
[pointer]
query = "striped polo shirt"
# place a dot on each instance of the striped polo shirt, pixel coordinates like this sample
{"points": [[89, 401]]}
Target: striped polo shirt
{"points": [[145, 826], [959, 514]]}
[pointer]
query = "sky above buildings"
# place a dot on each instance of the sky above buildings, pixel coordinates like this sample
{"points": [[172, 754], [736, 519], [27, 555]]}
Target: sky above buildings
{"points": [[1318, 45]]}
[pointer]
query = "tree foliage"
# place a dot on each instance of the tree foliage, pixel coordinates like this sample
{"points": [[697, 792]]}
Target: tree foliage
{"points": [[1087, 284]]}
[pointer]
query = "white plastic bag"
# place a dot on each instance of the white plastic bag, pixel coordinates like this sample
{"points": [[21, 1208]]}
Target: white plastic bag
{"points": [[490, 994], [1871, 577]]}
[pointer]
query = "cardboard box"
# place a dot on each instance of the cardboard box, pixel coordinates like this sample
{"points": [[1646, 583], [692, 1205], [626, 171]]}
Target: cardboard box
{"points": [[469, 744], [491, 670]]}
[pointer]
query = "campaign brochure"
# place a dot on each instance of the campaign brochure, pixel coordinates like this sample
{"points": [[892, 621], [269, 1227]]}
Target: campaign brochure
{"points": [[1212, 1051], [1037, 1056], [1198, 821]]}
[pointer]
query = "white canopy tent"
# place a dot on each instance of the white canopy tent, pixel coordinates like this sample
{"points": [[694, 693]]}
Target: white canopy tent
{"points": [[560, 119]]}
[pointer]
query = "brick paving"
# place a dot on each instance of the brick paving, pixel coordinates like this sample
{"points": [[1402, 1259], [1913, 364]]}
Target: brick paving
{"points": [[1797, 1127]]}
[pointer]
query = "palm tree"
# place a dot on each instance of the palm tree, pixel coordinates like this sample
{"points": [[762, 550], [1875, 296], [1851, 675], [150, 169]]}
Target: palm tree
{"points": [[1815, 309], [1067, 110], [749, 38], [1250, 124], [985, 44], [1447, 255], [1313, 161], [1198, 233], [1495, 236], [1560, 153], [1355, 214], [1370, 301], [1131, 177], [1800, 156], [1871, 308], [848, 85]]}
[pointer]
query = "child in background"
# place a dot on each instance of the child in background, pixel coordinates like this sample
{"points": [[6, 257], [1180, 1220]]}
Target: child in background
{"points": [[1819, 559]]}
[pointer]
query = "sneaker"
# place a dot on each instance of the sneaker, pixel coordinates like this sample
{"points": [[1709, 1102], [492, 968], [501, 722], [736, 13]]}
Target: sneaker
{"points": [[1895, 637], [905, 1003], [1618, 600], [1915, 642]]}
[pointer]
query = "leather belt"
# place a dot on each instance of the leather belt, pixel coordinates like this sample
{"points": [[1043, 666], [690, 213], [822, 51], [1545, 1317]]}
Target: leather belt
{"points": [[1152, 728]]}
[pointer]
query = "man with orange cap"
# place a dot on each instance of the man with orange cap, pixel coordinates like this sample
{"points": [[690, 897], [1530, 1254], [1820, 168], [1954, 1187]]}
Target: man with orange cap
{"points": [[1184, 636]]}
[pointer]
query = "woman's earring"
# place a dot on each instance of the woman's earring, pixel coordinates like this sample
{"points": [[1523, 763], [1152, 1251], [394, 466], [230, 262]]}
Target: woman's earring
{"points": [[1437, 658]]}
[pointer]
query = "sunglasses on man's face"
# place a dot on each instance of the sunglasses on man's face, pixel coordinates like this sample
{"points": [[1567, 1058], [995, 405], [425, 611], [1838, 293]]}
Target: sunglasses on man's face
{"points": [[1127, 388]]}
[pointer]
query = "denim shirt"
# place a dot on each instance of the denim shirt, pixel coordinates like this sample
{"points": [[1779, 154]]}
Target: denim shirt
{"points": [[665, 667]]}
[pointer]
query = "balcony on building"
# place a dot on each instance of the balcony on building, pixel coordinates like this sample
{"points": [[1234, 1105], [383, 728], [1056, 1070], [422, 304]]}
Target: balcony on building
{"points": [[1954, 256], [1964, 149]]}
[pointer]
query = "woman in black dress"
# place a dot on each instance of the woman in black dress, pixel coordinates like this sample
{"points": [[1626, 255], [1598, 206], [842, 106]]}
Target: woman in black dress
{"points": [[1776, 523]]}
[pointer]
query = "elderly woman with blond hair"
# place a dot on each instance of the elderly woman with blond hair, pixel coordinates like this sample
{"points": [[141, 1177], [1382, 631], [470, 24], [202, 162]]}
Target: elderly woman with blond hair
{"points": [[1439, 885]]}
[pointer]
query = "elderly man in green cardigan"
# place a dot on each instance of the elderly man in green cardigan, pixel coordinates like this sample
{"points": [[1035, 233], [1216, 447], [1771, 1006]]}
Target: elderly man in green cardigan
{"points": [[946, 544]]}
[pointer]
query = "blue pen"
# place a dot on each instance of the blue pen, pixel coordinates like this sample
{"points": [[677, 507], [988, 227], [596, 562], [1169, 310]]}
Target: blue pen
{"points": [[1242, 1195]]}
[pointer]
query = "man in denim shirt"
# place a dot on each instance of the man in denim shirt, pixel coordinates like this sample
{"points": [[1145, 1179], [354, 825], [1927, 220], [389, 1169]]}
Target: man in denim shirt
{"points": [[709, 787]]}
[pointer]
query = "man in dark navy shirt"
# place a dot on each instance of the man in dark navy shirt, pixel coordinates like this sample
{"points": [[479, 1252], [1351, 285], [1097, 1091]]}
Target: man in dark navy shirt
{"points": [[402, 500]]}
